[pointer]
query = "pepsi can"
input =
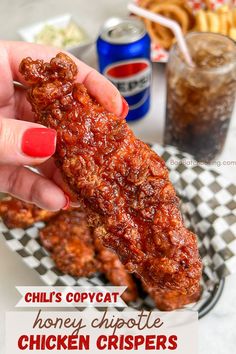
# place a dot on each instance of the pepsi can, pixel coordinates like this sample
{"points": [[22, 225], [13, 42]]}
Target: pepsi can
{"points": [[123, 48]]}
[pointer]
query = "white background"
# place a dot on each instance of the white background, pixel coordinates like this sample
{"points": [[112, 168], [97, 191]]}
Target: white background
{"points": [[217, 329]]}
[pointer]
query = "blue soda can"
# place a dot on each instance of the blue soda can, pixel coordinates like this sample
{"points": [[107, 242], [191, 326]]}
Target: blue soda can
{"points": [[123, 48]]}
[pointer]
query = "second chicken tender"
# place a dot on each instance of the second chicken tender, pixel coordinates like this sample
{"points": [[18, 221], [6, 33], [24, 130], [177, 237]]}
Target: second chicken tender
{"points": [[18, 214], [68, 239]]}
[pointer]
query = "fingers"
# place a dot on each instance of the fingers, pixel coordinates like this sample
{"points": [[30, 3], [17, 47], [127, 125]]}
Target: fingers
{"points": [[106, 93], [25, 143], [97, 85], [23, 108], [49, 170], [26, 185]]}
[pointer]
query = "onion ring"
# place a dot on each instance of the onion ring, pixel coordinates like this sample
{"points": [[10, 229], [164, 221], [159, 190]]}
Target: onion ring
{"points": [[156, 37], [177, 10]]}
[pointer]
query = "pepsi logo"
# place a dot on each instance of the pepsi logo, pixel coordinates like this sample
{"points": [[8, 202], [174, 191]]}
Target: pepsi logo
{"points": [[126, 69], [130, 76]]}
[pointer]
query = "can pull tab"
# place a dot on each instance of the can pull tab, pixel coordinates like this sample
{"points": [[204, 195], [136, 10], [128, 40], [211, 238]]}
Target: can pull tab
{"points": [[123, 31]]}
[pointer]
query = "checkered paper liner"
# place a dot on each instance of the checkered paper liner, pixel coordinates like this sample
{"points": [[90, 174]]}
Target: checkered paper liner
{"points": [[209, 209], [159, 54]]}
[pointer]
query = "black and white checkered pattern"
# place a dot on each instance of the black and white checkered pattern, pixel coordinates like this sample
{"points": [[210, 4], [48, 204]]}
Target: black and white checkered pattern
{"points": [[209, 208]]}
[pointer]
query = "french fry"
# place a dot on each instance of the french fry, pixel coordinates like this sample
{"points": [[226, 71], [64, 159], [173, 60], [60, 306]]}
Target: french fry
{"points": [[230, 19], [201, 21], [213, 22], [223, 17]]}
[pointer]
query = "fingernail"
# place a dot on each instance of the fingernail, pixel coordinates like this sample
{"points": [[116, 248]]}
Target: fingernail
{"points": [[125, 108], [39, 142], [67, 205]]}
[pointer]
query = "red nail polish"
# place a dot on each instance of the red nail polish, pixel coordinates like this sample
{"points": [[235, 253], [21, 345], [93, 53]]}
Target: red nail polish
{"points": [[39, 142], [67, 205], [125, 108]]}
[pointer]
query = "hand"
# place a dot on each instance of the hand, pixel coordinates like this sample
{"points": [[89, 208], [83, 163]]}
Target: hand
{"points": [[25, 143]]}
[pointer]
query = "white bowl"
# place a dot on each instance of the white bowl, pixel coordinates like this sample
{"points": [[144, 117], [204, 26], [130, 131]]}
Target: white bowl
{"points": [[29, 33]]}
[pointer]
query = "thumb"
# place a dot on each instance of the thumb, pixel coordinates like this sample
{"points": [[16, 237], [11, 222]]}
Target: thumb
{"points": [[25, 143]]}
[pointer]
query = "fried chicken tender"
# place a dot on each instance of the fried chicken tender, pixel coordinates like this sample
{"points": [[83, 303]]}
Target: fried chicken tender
{"points": [[115, 271], [67, 237], [16, 213], [123, 185]]}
